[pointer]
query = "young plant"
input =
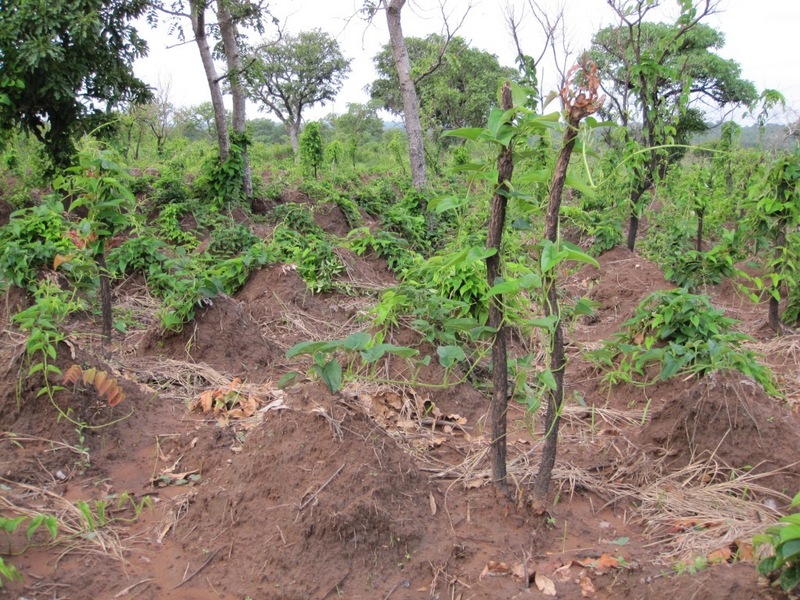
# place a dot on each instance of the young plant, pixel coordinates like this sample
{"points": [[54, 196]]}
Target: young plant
{"points": [[776, 214], [312, 150], [96, 186], [783, 567], [8, 571], [678, 332]]}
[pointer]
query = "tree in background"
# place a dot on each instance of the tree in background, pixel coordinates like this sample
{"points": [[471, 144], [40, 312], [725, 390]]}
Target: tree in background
{"points": [[232, 15], [64, 65], [295, 73], [158, 116], [196, 122], [657, 75], [406, 84], [458, 93]]}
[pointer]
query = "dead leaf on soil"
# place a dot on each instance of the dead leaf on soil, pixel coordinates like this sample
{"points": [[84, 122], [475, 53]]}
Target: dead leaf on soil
{"points": [[720, 556], [433, 503], [167, 478], [603, 563], [744, 550], [495, 569], [474, 484], [521, 571], [563, 572], [587, 587], [544, 584]]}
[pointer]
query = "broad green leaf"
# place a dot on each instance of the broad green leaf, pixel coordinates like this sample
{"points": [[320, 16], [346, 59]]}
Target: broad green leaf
{"points": [[310, 348], [572, 253], [449, 355], [546, 323], [357, 341], [469, 133], [550, 256], [507, 287], [287, 379], [547, 379], [331, 374], [580, 185], [379, 350], [445, 203]]}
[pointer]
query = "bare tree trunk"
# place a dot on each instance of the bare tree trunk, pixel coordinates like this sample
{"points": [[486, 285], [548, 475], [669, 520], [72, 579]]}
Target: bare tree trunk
{"points": [[198, 18], [633, 223], [698, 244], [233, 60], [416, 148], [555, 398], [494, 239]]}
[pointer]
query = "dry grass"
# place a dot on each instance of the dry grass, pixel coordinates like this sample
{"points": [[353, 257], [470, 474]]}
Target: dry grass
{"points": [[75, 532]]}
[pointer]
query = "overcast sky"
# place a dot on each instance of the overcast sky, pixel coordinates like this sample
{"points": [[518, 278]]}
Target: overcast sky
{"points": [[761, 39]]}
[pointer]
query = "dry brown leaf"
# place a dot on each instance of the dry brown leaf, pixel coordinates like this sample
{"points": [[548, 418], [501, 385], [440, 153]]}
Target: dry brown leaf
{"points": [[473, 484], [72, 374], [115, 396], [456, 418], [433, 503], [587, 587], [745, 550], [600, 565], [88, 376], [563, 571], [544, 584], [59, 260], [495, 569], [720, 556], [520, 571]]}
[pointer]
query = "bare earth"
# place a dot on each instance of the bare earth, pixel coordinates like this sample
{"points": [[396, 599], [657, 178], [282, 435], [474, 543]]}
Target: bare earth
{"points": [[382, 491]]}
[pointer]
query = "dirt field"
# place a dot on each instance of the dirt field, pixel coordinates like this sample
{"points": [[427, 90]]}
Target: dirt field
{"points": [[382, 491]]}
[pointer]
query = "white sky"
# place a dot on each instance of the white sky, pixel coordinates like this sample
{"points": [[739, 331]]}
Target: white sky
{"points": [[762, 39]]}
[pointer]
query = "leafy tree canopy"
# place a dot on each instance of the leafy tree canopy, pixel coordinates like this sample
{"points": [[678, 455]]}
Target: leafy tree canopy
{"points": [[455, 88], [665, 70], [294, 73], [361, 122], [64, 64]]}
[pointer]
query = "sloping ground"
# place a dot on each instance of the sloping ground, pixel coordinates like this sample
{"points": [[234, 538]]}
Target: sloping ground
{"points": [[382, 491]]}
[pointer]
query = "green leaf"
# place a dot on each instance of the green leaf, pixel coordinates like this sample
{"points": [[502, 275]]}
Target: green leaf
{"points": [[547, 379], [571, 252], [546, 323], [790, 532], [580, 185], [506, 287], [449, 355], [331, 375], [356, 342], [287, 379], [469, 133], [790, 578], [479, 253], [445, 203], [790, 550], [550, 256], [377, 351], [310, 348]]}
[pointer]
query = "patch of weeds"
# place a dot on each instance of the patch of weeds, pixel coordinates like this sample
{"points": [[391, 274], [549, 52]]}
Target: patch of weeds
{"points": [[782, 568], [678, 332]]}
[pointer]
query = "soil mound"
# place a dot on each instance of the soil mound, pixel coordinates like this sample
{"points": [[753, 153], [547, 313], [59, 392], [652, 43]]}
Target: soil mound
{"points": [[622, 282], [316, 498], [223, 335], [728, 418]]}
